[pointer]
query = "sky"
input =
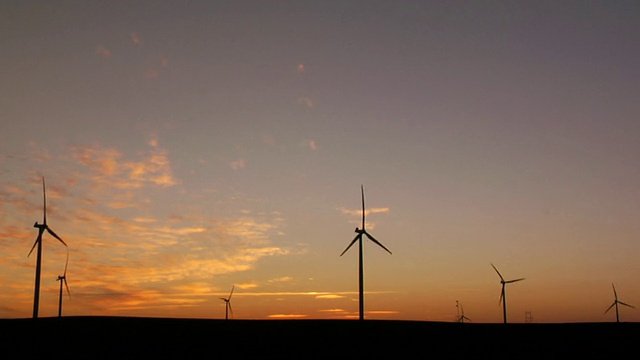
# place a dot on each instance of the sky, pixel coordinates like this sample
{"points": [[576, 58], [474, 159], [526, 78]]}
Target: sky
{"points": [[190, 148]]}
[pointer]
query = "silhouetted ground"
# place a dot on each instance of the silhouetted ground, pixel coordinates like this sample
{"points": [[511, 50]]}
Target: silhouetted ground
{"points": [[90, 337]]}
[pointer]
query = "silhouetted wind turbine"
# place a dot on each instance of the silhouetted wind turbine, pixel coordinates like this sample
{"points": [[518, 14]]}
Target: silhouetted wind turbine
{"points": [[615, 303], [41, 228], [461, 318], [227, 304], [358, 238], [63, 278], [503, 293]]}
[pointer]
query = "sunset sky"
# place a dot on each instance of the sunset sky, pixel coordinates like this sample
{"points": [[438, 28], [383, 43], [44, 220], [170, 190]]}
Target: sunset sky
{"points": [[192, 146]]}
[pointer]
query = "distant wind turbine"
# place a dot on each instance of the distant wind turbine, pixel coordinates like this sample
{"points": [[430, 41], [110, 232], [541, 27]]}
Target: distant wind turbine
{"points": [[227, 304], [63, 278], [615, 303], [41, 229], [503, 293], [358, 238], [461, 317]]}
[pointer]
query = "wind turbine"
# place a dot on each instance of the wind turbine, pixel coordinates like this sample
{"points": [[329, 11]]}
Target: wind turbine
{"points": [[615, 303], [227, 305], [63, 278], [41, 229], [503, 293], [461, 318], [358, 238]]}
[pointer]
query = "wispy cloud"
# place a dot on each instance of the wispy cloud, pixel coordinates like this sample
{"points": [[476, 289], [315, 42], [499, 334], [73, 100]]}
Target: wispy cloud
{"points": [[109, 167], [103, 51], [366, 212], [238, 164], [306, 101], [135, 38], [287, 316]]}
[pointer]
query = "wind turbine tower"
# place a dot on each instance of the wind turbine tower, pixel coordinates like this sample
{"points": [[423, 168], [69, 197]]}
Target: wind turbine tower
{"points": [[227, 304], [358, 238], [503, 293], [41, 229], [615, 303], [63, 279]]}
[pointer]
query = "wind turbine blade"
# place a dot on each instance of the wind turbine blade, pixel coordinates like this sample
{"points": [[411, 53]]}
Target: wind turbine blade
{"points": [[44, 196], [376, 241], [55, 235], [609, 308], [66, 263], [67, 286], [34, 245], [231, 293], [501, 295], [620, 302], [363, 211], [494, 268], [352, 242], [614, 292], [512, 281], [230, 309]]}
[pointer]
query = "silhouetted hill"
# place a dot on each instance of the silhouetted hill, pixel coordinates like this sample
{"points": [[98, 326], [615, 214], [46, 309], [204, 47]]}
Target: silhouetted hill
{"points": [[100, 337]]}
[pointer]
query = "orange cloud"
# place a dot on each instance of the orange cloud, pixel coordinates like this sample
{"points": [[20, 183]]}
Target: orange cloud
{"points": [[109, 168], [367, 211], [287, 316], [238, 164]]}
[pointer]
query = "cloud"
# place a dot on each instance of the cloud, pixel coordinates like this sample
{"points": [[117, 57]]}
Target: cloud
{"points": [[306, 101], [110, 169], [152, 74], [311, 144], [103, 51], [366, 212], [135, 38], [330, 296], [300, 68], [238, 164], [287, 316]]}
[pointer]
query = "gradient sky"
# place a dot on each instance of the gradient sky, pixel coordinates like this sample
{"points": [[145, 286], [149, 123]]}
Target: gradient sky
{"points": [[192, 146]]}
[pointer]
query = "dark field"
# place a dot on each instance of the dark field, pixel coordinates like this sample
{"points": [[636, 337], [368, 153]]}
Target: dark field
{"points": [[89, 337]]}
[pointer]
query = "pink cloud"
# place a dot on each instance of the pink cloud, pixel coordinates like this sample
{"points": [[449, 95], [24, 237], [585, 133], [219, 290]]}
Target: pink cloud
{"points": [[308, 102], [300, 69], [103, 51], [151, 74], [238, 164], [135, 38]]}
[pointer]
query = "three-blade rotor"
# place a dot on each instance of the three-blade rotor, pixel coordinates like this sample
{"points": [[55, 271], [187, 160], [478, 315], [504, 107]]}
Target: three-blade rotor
{"points": [[363, 230], [63, 277], [44, 227], [227, 300]]}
